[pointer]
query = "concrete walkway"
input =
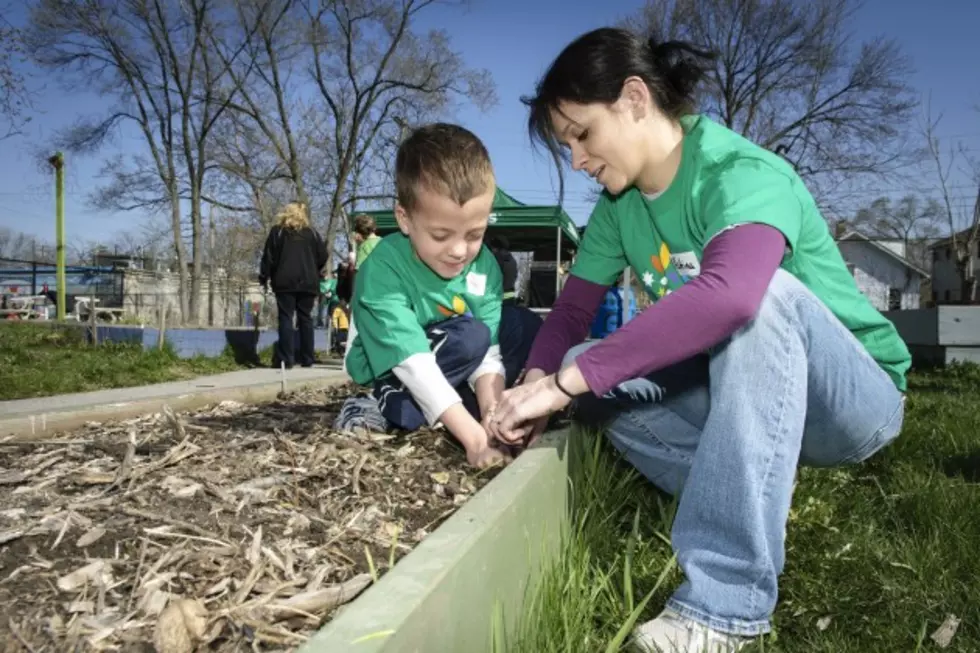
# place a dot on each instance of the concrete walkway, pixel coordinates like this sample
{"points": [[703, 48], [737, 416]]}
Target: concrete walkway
{"points": [[40, 416]]}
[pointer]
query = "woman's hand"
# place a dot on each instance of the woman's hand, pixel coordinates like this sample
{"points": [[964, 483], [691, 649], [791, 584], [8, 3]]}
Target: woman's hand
{"points": [[532, 400]]}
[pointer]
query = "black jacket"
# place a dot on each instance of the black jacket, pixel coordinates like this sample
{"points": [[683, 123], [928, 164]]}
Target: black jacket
{"points": [[292, 260], [508, 268]]}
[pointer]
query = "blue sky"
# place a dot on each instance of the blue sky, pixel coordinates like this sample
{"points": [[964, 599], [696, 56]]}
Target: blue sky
{"points": [[515, 41]]}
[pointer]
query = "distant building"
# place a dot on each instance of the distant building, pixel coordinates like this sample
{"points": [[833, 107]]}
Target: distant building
{"points": [[946, 285], [882, 272]]}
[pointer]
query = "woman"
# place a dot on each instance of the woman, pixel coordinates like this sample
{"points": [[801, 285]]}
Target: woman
{"points": [[293, 257], [758, 354]]}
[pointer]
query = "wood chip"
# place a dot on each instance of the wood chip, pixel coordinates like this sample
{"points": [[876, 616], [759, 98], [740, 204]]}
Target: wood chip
{"points": [[260, 513], [90, 537], [10, 536], [94, 572], [180, 626], [319, 601]]}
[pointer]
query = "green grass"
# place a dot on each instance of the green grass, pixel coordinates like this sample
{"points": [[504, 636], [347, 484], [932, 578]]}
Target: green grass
{"points": [[885, 550], [43, 360]]}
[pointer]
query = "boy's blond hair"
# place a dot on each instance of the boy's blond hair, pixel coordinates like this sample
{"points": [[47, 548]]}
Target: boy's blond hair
{"points": [[293, 216], [445, 158]]}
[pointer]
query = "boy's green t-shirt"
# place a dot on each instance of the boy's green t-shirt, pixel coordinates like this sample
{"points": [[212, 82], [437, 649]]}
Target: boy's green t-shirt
{"points": [[396, 296], [366, 248], [725, 180]]}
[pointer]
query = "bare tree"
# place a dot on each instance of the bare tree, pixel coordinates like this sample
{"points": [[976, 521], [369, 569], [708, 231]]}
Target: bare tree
{"points": [[370, 66], [14, 95], [914, 221], [153, 58], [24, 247], [789, 77], [963, 222], [266, 105]]}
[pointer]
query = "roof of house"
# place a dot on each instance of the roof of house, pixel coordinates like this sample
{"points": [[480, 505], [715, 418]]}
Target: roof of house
{"points": [[965, 233], [858, 236]]}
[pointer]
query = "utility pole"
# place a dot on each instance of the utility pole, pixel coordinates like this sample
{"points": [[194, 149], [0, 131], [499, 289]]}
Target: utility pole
{"points": [[211, 233], [58, 163]]}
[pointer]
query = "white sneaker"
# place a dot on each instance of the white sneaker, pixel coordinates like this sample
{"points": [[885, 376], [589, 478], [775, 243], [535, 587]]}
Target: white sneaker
{"points": [[673, 633]]}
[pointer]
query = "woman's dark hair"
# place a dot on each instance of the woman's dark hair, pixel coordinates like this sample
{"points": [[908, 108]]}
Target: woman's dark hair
{"points": [[593, 68]]}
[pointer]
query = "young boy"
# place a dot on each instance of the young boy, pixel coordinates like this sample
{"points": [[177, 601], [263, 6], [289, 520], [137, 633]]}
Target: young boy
{"points": [[340, 323], [426, 310], [365, 237]]}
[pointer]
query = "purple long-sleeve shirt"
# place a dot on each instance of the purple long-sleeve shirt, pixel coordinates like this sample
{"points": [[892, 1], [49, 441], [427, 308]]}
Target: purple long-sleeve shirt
{"points": [[722, 299]]}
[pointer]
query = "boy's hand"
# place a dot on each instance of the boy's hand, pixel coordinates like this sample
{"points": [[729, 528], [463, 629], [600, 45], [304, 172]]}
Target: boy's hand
{"points": [[485, 457], [475, 440], [488, 389]]}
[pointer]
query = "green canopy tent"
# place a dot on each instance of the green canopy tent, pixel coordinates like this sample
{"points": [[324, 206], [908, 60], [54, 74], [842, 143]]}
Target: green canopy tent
{"points": [[546, 231]]}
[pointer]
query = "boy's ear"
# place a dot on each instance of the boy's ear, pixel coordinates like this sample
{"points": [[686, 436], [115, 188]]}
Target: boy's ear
{"points": [[401, 216]]}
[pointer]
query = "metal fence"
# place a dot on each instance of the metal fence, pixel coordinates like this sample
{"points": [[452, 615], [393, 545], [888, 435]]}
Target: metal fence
{"points": [[20, 278]]}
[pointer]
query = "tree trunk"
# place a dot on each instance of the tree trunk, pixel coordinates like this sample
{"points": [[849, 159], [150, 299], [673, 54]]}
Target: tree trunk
{"points": [[337, 219], [182, 281], [197, 253]]}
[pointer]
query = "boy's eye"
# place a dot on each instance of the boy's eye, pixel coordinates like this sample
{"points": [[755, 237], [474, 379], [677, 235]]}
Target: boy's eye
{"points": [[440, 237], [584, 135]]}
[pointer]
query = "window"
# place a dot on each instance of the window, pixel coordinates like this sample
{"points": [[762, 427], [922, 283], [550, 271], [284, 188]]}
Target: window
{"points": [[894, 299]]}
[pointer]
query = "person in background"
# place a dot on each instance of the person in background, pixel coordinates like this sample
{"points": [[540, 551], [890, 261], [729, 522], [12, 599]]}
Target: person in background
{"points": [[508, 267], [518, 324], [759, 353], [327, 299], [341, 326], [365, 237], [344, 275], [293, 256]]}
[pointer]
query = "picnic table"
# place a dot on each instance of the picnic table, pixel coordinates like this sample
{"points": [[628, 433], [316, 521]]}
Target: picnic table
{"points": [[84, 305], [25, 307]]}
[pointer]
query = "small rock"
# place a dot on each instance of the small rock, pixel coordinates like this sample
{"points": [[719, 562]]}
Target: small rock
{"points": [[944, 634]]}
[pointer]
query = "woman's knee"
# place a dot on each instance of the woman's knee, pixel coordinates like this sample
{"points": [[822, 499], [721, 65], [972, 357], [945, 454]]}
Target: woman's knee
{"points": [[573, 353]]}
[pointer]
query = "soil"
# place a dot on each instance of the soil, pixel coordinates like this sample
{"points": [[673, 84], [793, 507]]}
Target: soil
{"points": [[236, 528]]}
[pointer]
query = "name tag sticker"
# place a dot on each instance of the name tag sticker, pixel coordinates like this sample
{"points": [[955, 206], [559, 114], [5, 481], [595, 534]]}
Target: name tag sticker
{"points": [[476, 284], [686, 263]]}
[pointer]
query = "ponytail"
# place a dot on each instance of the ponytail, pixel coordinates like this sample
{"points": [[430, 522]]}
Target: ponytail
{"points": [[680, 67]]}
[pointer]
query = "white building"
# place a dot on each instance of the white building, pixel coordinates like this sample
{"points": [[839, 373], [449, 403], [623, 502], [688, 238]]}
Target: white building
{"points": [[946, 284], [882, 272]]}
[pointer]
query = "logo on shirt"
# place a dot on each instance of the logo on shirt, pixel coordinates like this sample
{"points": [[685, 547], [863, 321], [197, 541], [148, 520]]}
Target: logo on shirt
{"points": [[458, 307], [674, 271]]}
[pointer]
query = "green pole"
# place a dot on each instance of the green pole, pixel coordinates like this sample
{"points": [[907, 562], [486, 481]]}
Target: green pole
{"points": [[58, 161]]}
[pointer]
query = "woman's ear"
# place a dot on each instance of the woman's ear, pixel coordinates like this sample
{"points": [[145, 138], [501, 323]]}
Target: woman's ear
{"points": [[635, 97]]}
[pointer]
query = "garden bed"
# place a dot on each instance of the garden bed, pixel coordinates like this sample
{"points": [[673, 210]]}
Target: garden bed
{"points": [[239, 527]]}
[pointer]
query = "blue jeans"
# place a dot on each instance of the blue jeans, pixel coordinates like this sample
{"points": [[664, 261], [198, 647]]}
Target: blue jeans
{"points": [[726, 431], [459, 344]]}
